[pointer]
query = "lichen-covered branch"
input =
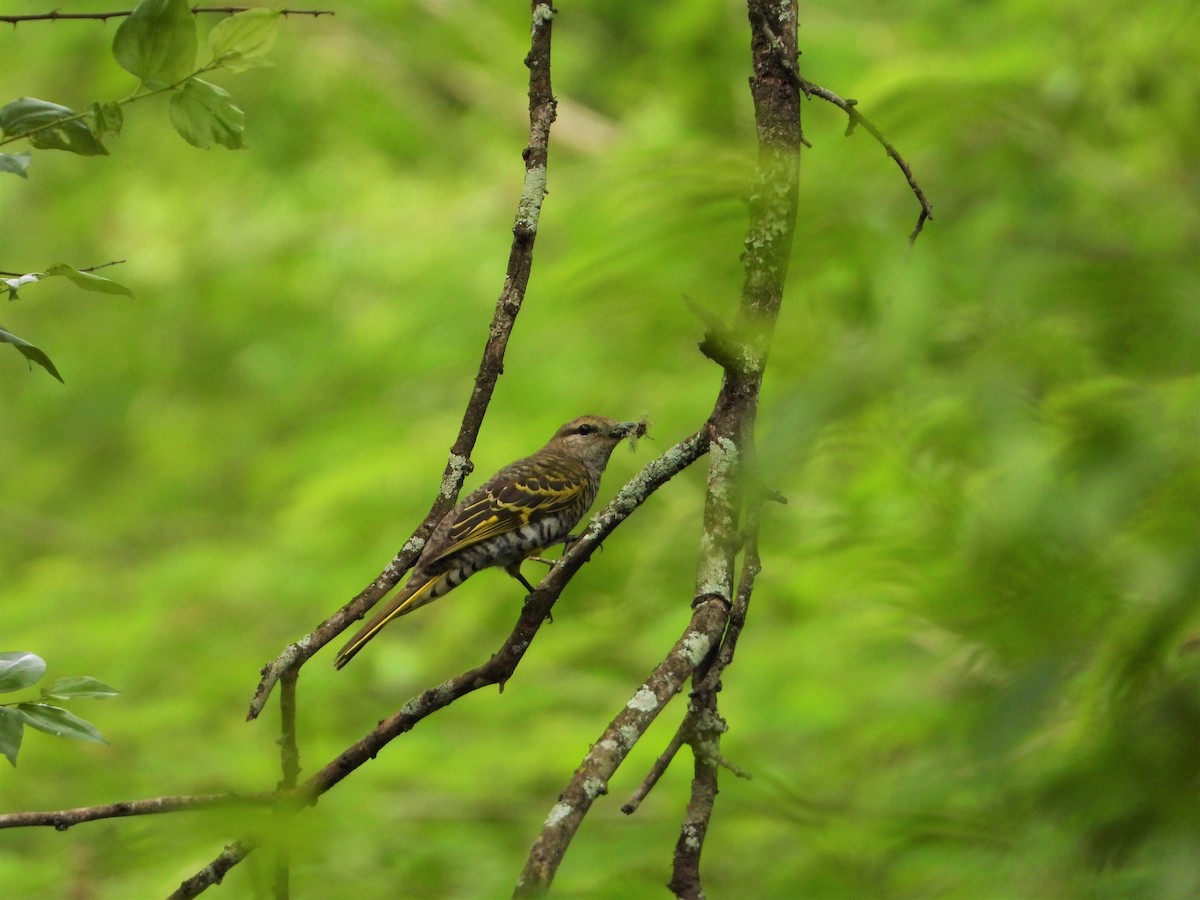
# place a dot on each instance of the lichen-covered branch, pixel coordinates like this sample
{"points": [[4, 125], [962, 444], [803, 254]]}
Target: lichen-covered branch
{"points": [[458, 465], [499, 668], [728, 526], [591, 778]]}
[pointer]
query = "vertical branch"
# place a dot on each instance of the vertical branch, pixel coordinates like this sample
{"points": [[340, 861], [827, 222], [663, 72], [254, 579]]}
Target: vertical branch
{"points": [[775, 91], [742, 351], [289, 763]]}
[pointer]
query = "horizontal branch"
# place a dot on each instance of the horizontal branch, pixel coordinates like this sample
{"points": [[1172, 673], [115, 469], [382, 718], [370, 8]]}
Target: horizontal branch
{"points": [[62, 819], [54, 15]]}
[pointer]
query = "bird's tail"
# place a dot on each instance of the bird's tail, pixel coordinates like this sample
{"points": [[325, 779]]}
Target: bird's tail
{"points": [[404, 602]]}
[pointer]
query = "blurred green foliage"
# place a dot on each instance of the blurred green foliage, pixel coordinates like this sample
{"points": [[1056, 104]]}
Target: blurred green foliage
{"points": [[971, 667]]}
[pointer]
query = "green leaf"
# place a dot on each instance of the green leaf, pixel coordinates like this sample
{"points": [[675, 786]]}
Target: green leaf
{"points": [[30, 352], [240, 42], [204, 115], [157, 42], [82, 686], [107, 118], [12, 729], [16, 163], [57, 721], [89, 281], [36, 119], [20, 669]]}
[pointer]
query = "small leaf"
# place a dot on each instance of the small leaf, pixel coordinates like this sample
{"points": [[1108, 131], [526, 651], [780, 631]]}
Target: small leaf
{"points": [[20, 669], [16, 163], [240, 42], [107, 118], [82, 686], [36, 119], [57, 721], [204, 115], [12, 729], [30, 352], [157, 42], [89, 281]]}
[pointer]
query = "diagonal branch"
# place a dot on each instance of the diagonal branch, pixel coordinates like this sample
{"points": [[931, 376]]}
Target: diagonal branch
{"points": [[497, 670], [591, 778], [458, 466]]}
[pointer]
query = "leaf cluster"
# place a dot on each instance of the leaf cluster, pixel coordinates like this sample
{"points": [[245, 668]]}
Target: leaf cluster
{"points": [[158, 44], [20, 670]]}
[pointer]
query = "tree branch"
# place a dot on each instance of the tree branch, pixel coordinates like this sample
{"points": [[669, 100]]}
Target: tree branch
{"points": [[55, 15], [62, 819], [591, 778], [498, 669], [520, 261], [850, 107]]}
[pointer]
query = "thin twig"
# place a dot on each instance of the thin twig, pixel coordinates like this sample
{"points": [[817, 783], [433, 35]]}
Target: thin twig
{"points": [[850, 107], [62, 819], [289, 763], [215, 871], [512, 295], [55, 15], [115, 262], [656, 771]]}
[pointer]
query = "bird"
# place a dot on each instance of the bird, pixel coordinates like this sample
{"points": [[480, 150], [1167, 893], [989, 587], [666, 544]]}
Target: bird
{"points": [[527, 506]]}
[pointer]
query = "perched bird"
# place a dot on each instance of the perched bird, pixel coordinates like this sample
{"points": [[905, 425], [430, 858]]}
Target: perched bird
{"points": [[527, 506]]}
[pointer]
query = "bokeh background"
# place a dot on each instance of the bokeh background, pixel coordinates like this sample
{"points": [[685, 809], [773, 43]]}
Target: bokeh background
{"points": [[972, 665]]}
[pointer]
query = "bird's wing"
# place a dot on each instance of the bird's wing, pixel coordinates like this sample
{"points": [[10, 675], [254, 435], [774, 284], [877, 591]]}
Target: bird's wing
{"points": [[508, 502]]}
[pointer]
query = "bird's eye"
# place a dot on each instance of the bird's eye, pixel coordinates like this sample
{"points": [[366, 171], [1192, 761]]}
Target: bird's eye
{"points": [[585, 429]]}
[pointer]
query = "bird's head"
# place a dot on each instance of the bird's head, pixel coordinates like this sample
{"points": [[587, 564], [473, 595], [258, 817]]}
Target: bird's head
{"points": [[592, 438]]}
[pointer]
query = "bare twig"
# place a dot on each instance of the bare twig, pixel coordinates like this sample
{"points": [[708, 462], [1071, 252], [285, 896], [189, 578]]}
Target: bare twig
{"points": [[115, 262], [656, 771], [289, 762], [55, 15], [458, 466], [850, 107], [215, 871], [62, 819]]}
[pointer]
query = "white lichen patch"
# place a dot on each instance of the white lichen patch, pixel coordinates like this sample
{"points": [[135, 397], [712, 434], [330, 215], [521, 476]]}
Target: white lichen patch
{"points": [[696, 647], [412, 545], [712, 572], [628, 735], [532, 192], [559, 812], [594, 787], [608, 745], [643, 701], [456, 473], [542, 13]]}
